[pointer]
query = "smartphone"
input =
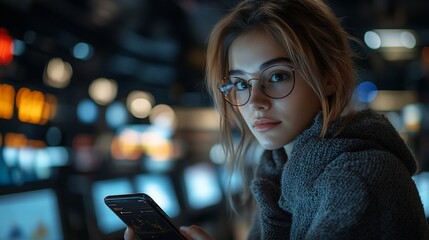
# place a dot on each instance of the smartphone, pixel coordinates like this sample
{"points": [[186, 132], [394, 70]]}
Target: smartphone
{"points": [[140, 212]]}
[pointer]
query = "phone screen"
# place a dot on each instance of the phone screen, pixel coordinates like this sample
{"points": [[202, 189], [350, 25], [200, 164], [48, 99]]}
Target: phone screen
{"points": [[144, 216]]}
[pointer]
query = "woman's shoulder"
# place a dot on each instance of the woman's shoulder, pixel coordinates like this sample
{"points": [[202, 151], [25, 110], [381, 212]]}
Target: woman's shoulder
{"points": [[364, 135]]}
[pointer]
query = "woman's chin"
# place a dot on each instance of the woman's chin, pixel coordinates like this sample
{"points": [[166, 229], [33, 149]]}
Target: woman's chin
{"points": [[271, 145]]}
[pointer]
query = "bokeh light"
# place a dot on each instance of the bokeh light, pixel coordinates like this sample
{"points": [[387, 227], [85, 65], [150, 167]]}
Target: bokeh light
{"points": [[164, 116], [57, 73], [412, 115], [116, 115], [87, 111], [103, 91], [366, 92], [140, 103], [372, 40], [82, 51]]}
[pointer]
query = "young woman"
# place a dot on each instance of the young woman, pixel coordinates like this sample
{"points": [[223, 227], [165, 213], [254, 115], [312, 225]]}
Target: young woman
{"points": [[281, 72]]}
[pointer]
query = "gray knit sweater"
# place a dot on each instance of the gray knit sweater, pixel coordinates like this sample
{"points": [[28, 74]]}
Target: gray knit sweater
{"points": [[356, 185]]}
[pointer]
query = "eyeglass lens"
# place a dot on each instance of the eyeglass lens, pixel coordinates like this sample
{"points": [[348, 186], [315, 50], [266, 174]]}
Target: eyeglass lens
{"points": [[275, 82]]}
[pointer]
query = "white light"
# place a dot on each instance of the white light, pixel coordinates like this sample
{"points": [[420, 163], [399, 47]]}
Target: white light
{"points": [[140, 103], [103, 90], [390, 38], [163, 115], [57, 73], [372, 40], [412, 115], [140, 107], [408, 40]]}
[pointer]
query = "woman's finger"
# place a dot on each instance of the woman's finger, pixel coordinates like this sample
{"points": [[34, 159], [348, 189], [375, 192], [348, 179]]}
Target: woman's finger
{"points": [[129, 234], [195, 233]]}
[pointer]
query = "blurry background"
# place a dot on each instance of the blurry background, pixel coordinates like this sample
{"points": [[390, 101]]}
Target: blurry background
{"points": [[102, 97]]}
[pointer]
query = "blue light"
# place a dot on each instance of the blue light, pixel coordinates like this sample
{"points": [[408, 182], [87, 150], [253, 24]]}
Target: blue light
{"points": [[160, 188], [53, 136], [82, 51], [87, 111], [202, 186], [4, 172], [25, 213], [422, 184], [366, 92], [372, 40], [116, 115], [18, 47], [107, 221]]}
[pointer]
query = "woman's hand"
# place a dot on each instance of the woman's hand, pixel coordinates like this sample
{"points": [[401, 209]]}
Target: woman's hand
{"points": [[191, 233], [129, 234], [195, 233]]}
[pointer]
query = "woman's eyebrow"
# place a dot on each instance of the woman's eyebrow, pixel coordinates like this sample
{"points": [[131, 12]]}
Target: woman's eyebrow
{"points": [[262, 66], [274, 61]]}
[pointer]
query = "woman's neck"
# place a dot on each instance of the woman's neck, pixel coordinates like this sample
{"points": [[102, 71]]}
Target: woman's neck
{"points": [[288, 147]]}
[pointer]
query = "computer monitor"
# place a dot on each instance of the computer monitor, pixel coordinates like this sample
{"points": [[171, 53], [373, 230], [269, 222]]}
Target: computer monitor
{"points": [[30, 215], [202, 186], [107, 221], [160, 188]]}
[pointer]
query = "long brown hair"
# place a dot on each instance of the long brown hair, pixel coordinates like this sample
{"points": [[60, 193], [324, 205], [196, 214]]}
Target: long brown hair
{"points": [[316, 42]]}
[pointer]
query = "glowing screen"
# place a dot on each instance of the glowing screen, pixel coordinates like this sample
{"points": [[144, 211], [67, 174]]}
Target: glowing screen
{"points": [[30, 215], [202, 186], [160, 189], [107, 221]]}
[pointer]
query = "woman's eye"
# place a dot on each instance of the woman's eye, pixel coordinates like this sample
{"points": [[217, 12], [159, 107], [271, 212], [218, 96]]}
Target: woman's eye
{"points": [[278, 77], [241, 85]]}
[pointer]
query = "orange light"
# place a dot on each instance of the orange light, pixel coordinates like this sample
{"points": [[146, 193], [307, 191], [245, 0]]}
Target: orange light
{"points": [[30, 105], [160, 151], [18, 140], [49, 109], [7, 98], [36, 143], [34, 106], [121, 150], [15, 140], [6, 47]]}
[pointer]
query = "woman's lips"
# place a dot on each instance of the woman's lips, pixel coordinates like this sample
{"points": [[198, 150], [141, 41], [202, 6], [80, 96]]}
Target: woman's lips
{"points": [[261, 125]]}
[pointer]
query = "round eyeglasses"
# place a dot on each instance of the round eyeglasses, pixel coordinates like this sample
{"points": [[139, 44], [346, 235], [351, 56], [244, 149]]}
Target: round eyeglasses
{"points": [[276, 82]]}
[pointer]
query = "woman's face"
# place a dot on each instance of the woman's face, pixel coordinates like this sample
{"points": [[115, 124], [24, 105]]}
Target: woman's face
{"points": [[273, 122]]}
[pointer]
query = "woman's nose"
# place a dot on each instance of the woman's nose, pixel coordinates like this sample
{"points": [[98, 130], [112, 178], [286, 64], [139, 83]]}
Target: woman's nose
{"points": [[258, 100]]}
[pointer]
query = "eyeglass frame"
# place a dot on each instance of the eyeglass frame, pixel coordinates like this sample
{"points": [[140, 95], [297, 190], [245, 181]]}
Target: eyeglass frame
{"points": [[251, 87]]}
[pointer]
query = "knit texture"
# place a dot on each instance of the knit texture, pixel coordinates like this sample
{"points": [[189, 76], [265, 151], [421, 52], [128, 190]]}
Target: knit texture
{"points": [[356, 185]]}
